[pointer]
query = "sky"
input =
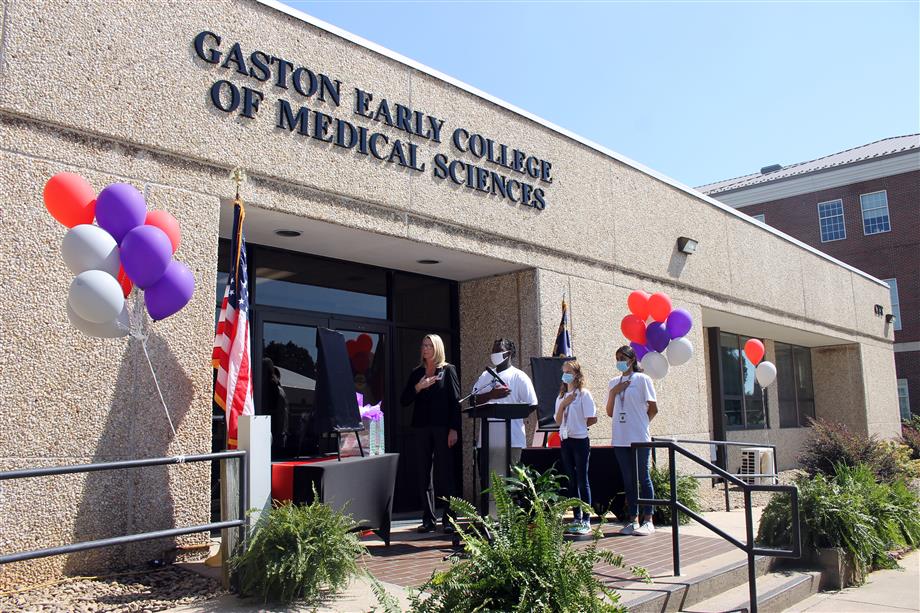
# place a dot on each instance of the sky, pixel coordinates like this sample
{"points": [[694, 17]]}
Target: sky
{"points": [[699, 91]]}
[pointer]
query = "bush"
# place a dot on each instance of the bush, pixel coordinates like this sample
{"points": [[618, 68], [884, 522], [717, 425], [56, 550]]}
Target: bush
{"points": [[688, 493], [527, 486], [520, 561], [850, 510], [299, 552], [910, 434], [831, 444]]}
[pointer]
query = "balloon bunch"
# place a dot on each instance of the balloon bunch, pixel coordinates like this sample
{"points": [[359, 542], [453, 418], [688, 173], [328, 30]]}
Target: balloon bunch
{"points": [[657, 333], [766, 371], [129, 246], [359, 353]]}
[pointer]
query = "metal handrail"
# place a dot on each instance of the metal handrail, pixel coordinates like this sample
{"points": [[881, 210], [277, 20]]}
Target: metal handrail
{"points": [[241, 523], [749, 547], [774, 475]]}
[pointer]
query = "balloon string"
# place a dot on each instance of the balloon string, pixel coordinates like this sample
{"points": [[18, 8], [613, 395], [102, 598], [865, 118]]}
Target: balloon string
{"points": [[157, 383]]}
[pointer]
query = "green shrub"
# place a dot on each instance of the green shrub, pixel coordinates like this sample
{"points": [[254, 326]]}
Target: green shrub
{"points": [[527, 487], [526, 565], [851, 510], [688, 493], [299, 552], [830, 444]]}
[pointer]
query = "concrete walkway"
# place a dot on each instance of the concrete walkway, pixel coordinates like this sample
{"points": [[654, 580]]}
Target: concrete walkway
{"points": [[885, 590]]}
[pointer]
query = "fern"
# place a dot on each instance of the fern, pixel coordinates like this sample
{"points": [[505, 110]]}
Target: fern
{"points": [[299, 552], [520, 561]]}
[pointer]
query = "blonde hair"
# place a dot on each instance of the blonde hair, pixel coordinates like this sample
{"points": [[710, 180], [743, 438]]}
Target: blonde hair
{"points": [[439, 357], [580, 379]]}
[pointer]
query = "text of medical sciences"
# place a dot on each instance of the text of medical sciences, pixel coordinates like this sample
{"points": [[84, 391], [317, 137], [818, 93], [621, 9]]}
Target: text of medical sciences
{"points": [[344, 134]]}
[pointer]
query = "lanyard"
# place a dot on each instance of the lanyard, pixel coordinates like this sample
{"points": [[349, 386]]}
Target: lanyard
{"points": [[622, 394]]}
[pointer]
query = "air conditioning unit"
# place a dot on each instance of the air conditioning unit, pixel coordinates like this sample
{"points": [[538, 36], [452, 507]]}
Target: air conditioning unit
{"points": [[756, 460]]}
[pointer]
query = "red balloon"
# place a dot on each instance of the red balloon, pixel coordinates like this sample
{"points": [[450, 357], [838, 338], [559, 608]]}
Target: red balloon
{"points": [[364, 342], [360, 362], [554, 440], [754, 351], [633, 328], [351, 347], [70, 199], [124, 281], [166, 222], [638, 304], [659, 307]]}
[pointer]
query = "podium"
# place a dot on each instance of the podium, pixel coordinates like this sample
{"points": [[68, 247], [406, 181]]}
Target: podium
{"points": [[494, 411]]}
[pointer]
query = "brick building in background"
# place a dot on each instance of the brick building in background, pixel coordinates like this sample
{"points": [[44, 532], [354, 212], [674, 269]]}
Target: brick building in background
{"points": [[861, 206]]}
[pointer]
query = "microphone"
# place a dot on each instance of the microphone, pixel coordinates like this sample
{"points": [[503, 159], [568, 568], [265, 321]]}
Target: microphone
{"points": [[495, 376]]}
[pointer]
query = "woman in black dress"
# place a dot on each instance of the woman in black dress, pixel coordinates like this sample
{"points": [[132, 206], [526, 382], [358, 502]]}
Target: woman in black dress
{"points": [[435, 389]]}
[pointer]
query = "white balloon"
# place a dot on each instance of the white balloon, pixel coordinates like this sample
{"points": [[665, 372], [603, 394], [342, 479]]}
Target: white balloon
{"points": [[655, 365], [679, 351], [766, 373], [111, 329], [88, 247], [96, 296]]}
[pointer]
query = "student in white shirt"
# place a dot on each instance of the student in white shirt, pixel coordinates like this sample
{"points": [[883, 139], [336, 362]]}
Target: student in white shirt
{"points": [[575, 413], [518, 388], [632, 404]]}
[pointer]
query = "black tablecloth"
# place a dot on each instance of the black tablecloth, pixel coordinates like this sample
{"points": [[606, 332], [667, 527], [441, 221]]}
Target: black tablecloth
{"points": [[603, 474], [362, 486]]}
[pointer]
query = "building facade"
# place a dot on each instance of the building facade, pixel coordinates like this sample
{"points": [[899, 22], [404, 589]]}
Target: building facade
{"points": [[384, 200], [862, 206]]}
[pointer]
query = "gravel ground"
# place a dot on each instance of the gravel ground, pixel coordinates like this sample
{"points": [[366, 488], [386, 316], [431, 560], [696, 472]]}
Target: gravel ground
{"points": [[147, 590], [713, 498]]}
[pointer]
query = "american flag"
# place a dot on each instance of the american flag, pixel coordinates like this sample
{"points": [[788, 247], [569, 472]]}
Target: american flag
{"points": [[563, 346], [231, 356]]}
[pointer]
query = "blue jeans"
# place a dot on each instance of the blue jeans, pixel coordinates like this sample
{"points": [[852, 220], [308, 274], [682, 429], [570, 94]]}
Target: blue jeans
{"points": [[626, 458], [575, 455]]}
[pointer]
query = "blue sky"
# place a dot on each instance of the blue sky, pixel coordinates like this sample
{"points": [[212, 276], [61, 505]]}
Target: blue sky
{"points": [[700, 91]]}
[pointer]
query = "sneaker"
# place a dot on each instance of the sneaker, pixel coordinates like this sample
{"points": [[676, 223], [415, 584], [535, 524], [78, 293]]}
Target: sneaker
{"points": [[583, 528], [645, 529], [572, 526], [629, 528]]}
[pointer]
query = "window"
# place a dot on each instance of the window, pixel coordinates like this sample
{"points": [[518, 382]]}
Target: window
{"points": [[830, 219], [759, 217], [903, 399], [743, 401], [875, 212], [795, 385]]}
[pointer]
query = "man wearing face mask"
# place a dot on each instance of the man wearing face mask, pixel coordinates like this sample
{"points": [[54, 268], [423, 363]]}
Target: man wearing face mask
{"points": [[517, 389]]}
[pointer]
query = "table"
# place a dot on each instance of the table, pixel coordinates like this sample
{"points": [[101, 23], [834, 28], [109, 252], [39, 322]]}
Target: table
{"points": [[603, 474], [362, 486]]}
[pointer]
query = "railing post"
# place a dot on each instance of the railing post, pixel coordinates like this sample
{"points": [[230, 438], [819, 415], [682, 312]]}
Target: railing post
{"points": [[675, 513], [749, 526], [244, 499]]}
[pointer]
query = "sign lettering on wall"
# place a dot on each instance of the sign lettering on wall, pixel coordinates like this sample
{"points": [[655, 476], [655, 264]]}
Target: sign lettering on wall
{"points": [[501, 170]]}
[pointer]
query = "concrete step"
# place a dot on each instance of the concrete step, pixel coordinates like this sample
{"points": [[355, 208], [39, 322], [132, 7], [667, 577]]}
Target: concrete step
{"points": [[776, 592], [697, 583]]}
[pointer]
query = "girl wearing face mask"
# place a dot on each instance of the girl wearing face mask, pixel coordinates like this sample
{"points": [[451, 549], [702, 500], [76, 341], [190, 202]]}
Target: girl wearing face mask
{"points": [[575, 413], [632, 405]]}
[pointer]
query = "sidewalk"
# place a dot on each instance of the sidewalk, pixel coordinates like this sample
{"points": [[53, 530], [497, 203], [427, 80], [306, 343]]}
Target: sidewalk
{"points": [[885, 590]]}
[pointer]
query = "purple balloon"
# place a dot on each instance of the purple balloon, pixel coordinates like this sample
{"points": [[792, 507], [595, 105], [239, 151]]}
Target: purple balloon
{"points": [[656, 336], [640, 350], [145, 254], [679, 323], [119, 209], [172, 292]]}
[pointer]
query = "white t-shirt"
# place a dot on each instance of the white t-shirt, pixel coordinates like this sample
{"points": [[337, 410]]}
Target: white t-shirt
{"points": [[522, 392], [575, 419], [630, 410]]}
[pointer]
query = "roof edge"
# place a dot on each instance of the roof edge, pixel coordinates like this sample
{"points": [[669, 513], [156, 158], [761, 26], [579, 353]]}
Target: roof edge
{"points": [[393, 55]]}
